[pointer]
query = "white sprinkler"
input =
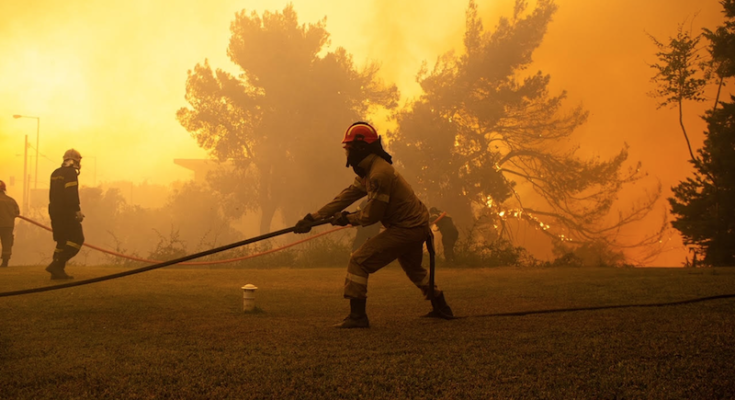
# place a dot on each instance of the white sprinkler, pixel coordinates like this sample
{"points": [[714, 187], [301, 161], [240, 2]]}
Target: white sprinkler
{"points": [[248, 297]]}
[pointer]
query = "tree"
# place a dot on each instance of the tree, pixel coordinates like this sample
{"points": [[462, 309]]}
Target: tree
{"points": [[487, 134], [722, 47], [679, 74], [703, 204], [279, 120]]}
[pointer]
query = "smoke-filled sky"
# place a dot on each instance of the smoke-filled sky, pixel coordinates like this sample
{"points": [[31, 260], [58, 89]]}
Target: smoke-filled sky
{"points": [[107, 77]]}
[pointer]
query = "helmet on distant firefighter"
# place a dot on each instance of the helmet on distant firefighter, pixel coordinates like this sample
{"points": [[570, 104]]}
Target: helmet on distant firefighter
{"points": [[73, 157], [360, 132], [3, 188]]}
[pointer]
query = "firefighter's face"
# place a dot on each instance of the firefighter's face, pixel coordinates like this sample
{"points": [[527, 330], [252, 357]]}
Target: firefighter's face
{"points": [[347, 149]]}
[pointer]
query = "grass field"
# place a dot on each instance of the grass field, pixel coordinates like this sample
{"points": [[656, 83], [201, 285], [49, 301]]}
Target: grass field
{"points": [[181, 334]]}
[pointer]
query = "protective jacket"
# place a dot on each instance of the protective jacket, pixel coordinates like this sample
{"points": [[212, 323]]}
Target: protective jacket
{"points": [[64, 192], [391, 199], [62, 208], [446, 226], [8, 211]]}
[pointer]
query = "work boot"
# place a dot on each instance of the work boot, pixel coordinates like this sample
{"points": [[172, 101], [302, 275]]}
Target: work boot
{"points": [[62, 273], [53, 268], [56, 269], [358, 317], [5, 262], [440, 308]]}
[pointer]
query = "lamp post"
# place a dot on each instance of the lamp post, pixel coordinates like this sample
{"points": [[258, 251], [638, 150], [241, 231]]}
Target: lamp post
{"points": [[25, 176], [38, 130]]}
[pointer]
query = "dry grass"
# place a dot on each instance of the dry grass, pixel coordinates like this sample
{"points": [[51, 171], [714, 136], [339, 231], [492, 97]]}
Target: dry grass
{"points": [[181, 334]]}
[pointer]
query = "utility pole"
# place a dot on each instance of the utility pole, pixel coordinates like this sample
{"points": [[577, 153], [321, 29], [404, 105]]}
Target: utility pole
{"points": [[25, 176], [26, 189], [38, 130]]}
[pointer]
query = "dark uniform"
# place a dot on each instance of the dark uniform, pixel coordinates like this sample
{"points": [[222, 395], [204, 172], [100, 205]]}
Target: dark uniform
{"points": [[449, 232], [8, 212], [64, 210]]}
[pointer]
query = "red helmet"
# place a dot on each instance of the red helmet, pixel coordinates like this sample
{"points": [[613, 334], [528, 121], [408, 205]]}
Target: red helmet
{"points": [[2, 186], [360, 132]]}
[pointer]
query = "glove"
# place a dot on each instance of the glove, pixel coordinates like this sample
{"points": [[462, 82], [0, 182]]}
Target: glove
{"points": [[304, 224], [79, 216], [341, 219]]}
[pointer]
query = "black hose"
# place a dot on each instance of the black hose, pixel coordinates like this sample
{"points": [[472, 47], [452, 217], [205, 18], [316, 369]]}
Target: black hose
{"points": [[159, 265]]}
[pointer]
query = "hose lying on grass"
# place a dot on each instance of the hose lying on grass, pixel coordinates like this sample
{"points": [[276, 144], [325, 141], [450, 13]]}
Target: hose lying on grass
{"points": [[229, 260], [182, 260], [161, 264]]}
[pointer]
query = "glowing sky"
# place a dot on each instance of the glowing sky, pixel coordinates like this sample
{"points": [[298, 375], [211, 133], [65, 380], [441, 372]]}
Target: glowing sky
{"points": [[107, 77]]}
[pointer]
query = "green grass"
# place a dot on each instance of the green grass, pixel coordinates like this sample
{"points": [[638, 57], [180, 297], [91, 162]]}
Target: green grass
{"points": [[182, 334]]}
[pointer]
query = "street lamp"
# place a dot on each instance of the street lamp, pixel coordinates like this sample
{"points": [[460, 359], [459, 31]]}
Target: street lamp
{"points": [[38, 130]]}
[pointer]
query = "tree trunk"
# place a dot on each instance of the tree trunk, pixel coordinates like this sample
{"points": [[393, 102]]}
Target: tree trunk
{"points": [[681, 123], [268, 204], [268, 209], [719, 90]]}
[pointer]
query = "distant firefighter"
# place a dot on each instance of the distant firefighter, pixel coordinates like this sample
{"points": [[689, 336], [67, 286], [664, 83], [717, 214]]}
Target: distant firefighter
{"points": [[449, 232], [364, 232], [65, 212], [8, 212]]}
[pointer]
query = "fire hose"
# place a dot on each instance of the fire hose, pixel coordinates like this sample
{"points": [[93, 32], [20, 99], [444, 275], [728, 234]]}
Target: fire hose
{"points": [[430, 248], [161, 264], [183, 260], [113, 253]]}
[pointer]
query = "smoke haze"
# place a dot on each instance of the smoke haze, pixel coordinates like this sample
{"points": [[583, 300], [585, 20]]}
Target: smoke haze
{"points": [[107, 77]]}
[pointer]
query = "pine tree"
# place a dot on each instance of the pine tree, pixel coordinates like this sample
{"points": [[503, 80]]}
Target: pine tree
{"points": [[704, 205]]}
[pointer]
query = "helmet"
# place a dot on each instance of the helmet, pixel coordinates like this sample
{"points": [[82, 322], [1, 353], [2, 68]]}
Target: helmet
{"points": [[72, 154], [360, 132], [2, 186], [73, 158]]}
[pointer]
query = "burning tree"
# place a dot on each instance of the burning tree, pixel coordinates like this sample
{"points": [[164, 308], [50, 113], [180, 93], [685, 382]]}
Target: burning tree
{"points": [[487, 134]]}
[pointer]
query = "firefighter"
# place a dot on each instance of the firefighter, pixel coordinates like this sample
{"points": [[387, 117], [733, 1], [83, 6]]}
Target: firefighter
{"points": [[391, 201], [8, 212], [65, 212], [449, 232], [364, 232]]}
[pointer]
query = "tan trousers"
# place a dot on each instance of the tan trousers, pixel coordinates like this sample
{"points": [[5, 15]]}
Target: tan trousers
{"points": [[404, 244]]}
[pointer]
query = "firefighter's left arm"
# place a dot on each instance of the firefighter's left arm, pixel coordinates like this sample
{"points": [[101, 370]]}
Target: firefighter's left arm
{"points": [[380, 188], [354, 192], [16, 208]]}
